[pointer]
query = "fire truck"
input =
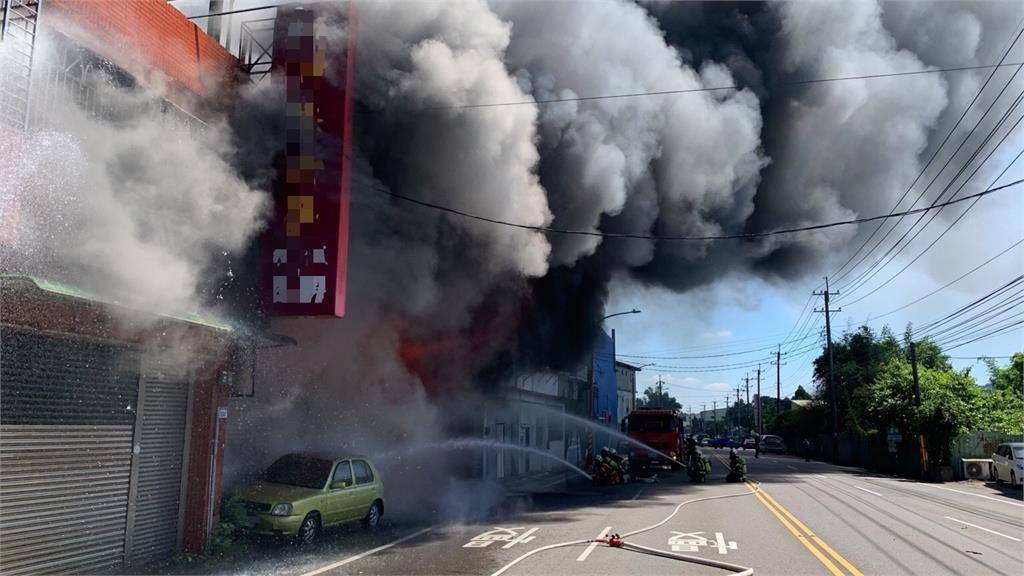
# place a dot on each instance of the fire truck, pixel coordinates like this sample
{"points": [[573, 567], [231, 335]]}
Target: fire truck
{"points": [[659, 428]]}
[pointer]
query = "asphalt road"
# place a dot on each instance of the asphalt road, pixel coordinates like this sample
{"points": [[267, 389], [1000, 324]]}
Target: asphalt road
{"points": [[795, 517]]}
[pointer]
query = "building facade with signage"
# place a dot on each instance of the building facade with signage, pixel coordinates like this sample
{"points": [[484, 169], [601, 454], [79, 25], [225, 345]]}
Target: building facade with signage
{"points": [[112, 419]]}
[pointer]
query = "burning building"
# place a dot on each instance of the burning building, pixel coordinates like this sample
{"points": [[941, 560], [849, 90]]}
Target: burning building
{"points": [[113, 389]]}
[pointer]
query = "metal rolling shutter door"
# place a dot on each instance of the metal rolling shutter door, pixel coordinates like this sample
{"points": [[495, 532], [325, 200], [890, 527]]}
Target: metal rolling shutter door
{"points": [[66, 425], [155, 526]]}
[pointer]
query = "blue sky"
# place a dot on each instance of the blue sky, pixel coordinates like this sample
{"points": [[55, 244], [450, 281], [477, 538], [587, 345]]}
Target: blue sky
{"points": [[743, 313]]}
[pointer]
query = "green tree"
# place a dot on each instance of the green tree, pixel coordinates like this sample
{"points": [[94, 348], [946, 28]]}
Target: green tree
{"points": [[655, 398], [951, 403], [1003, 402], [801, 394]]}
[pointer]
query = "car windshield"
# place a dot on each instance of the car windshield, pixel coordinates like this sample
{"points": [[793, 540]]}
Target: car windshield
{"points": [[650, 424], [295, 470]]}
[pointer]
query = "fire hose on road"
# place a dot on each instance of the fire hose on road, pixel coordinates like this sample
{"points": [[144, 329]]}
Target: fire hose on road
{"points": [[617, 541]]}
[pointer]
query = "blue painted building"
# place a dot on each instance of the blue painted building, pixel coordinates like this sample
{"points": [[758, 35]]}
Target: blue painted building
{"points": [[606, 396]]}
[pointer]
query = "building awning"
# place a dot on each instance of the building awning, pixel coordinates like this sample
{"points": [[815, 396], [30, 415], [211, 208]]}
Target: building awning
{"points": [[42, 287], [628, 366]]}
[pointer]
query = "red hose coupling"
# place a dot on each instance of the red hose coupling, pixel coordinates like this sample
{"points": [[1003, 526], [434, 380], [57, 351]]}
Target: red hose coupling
{"points": [[615, 541]]}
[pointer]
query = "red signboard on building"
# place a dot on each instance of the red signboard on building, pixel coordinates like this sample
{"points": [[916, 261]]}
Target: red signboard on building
{"points": [[306, 247]]}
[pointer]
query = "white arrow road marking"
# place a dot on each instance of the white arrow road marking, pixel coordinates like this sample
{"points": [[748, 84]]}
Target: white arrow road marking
{"points": [[583, 555], [351, 559], [982, 528], [868, 491]]}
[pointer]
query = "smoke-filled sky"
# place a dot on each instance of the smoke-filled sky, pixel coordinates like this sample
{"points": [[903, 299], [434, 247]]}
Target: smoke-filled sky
{"points": [[770, 154], [767, 156]]}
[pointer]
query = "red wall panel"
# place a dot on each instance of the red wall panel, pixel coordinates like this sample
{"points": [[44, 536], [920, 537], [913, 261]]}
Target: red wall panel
{"points": [[148, 38]]}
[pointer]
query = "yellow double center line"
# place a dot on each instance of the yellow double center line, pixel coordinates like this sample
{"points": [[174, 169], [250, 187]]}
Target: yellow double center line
{"points": [[809, 539]]}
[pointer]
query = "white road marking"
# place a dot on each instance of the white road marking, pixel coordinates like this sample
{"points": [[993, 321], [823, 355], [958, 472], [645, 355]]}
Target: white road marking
{"points": [[982, 528], [351, 559], [638, 493], [524, 537], [1000, 500], [583, 555], [868, 491], [791, 467]]}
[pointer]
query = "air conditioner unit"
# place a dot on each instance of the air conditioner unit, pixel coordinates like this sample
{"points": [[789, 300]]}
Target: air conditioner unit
{"points": [[977, 468]]}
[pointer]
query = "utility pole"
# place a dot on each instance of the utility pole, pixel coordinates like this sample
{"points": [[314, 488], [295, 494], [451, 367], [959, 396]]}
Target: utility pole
{"points": [[917, 402], [726, 419], [746, 380], [738, 425], [778, 383], [703, 409], [831, 377], [760, 418], [714, 416]]}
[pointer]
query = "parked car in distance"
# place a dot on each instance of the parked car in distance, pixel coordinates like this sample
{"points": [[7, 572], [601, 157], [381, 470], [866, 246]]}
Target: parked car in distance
{"points": [[771, 443], [748, 443], [723, 442], [301, 494], [705, 441], [1008, 463]]}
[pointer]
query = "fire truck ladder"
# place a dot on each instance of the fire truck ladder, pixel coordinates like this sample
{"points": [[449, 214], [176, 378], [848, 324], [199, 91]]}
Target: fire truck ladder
{"points": [[17, 46]]}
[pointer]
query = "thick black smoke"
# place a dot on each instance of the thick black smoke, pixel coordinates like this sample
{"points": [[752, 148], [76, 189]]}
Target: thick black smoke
{"points": [[443, 305]]}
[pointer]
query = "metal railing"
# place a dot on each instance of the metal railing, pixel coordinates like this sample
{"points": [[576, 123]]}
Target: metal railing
{"points": [[17, 48]]}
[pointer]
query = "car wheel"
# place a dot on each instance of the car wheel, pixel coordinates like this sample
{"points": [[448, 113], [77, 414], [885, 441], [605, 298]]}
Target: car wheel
{"points": [[374, 515], [309, 532]]}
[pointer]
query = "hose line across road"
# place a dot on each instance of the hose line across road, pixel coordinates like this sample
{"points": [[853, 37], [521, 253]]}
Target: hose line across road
{"points": [[617, 541], [806, 518]]}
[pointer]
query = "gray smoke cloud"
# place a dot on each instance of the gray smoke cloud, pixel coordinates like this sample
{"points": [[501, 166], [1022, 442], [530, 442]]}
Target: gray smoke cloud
{"points": [[853, 148], [135, 207], [689, 163], [701, 163]]}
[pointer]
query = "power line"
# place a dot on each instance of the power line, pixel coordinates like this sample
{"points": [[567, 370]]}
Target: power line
{"points": [[950, 283], [992, 334], [878, 265], [239, 11], [927, 248], [709, 89], [867, 274], [873, 268], [838, 275], [743, 236]]}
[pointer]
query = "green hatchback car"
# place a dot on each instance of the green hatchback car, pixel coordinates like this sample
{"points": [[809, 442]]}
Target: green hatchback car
{"points": [[301, 494]]}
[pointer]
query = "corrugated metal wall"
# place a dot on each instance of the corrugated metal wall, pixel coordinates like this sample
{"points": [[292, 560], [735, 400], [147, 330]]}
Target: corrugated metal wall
{"points": [[155, 520], [66, 425], [63, 497]]}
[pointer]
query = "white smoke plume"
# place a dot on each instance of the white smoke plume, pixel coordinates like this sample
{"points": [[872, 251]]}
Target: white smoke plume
{"points": [[134, 207]]}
